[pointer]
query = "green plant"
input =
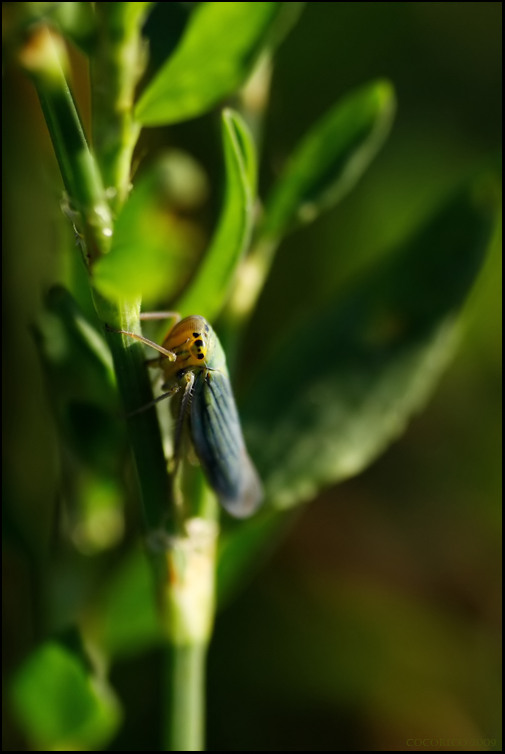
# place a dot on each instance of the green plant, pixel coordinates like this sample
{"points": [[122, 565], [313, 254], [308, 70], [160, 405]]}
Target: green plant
{"points": [[375, 351]]}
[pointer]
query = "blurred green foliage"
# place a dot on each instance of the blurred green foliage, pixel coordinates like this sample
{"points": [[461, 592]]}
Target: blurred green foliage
{"points": [[377, 621], [331, 158], [69, 706], [144, 229]]}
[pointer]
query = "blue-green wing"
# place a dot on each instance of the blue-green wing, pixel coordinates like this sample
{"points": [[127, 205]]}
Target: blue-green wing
{"points": [[219, 444]]}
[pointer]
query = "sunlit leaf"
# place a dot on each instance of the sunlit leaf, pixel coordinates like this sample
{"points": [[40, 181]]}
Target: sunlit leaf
{"points": [[62, 705], [214, 57], [152, 248], [207, 292], [331, 158], [345, 384]]}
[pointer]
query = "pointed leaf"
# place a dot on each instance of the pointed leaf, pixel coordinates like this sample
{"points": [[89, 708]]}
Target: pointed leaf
{"points": [[207, 292], [331, 158], [215, 55], [151, 248], [344, 385]]}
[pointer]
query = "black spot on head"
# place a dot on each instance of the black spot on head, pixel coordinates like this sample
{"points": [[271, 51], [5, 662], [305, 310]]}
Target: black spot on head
{"points": [[200, 356], [196, 335], [198, 342]]}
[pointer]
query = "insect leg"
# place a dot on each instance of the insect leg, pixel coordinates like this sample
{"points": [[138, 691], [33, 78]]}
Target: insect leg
{"points": [[182, 415], [167, 394], [169, 354]]}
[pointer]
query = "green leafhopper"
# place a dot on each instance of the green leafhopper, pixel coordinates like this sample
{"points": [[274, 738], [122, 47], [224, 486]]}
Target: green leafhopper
{"points": [[195, 374]]}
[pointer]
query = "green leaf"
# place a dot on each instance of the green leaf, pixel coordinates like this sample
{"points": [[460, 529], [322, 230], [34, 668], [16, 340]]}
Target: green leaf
{"points": [[61, 704], [152, 247], [331, 158], [127, 621], [208, 291], [214, 57], [69, 343], [80, 383], [344, 384]]}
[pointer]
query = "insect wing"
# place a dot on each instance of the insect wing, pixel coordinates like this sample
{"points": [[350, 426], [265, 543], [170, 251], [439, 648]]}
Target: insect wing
{"points": [[219, 444]]}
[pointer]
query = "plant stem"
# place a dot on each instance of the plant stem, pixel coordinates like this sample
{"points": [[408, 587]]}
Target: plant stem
{"points": [[185, 674], [250, 282], [44, 58], [188, 607], [116, 67], [182, 550], [143, 427]]}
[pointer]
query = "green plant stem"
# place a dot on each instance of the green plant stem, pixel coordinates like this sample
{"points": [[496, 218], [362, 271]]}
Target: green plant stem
{"points": [[143, 427], [116, 67], [250, 281], [183, 557], [252, 99], [182, 550], [185, 677], [188, 610], [44, 59]]}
